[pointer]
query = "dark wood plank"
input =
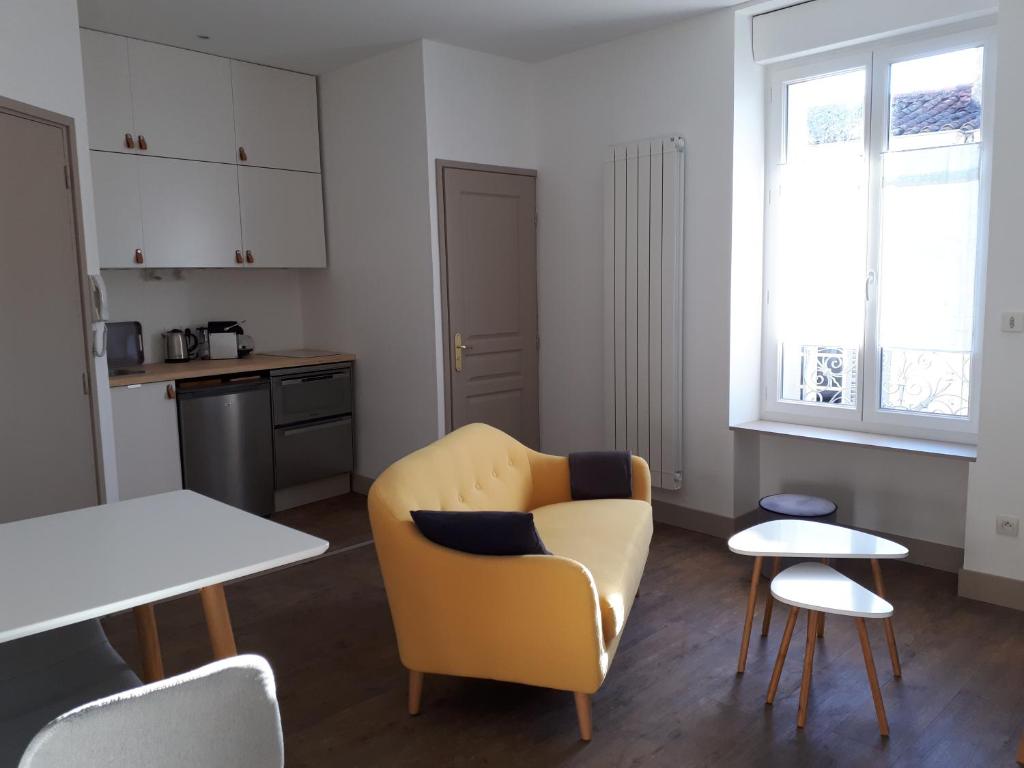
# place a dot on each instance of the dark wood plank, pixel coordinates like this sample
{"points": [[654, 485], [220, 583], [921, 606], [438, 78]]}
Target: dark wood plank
{"points": [[672, 696]]}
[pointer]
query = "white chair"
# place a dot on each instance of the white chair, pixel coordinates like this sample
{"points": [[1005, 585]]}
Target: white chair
{"points": [[819, 589], [223, 715]]}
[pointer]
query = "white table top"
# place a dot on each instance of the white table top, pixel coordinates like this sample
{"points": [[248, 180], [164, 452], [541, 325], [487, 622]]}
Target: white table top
{"points": [[64, 568], [817, 587], [803, 538]]}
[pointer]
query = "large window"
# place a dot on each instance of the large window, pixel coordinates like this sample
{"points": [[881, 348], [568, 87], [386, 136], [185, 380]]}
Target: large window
{"points": [[875, 239]]}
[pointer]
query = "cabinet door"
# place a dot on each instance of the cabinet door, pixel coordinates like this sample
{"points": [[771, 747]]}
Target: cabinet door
{"points": [[282, 217], [181, 101], [108, 92], [189, 213], [115, 181], [275, 117], [146, 439]]}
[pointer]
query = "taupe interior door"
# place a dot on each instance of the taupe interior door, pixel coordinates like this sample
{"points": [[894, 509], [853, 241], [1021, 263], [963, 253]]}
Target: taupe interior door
{"points": [[490, 245], [47, 450]]}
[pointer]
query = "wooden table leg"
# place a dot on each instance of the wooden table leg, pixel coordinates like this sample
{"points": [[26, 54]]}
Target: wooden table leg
{"points": [[890, 634], [805, 683], [748, 623], [1020, 751], [821, 616], [869, 665], [780, 660], [218, 621], [149, 643], [769, 601]]}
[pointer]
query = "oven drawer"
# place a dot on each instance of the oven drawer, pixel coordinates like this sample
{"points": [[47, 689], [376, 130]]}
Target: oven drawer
{"points": [[314, 392], [309, 452]]}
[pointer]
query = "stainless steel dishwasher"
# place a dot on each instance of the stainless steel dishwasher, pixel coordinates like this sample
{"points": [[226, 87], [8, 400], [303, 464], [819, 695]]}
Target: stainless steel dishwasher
{"points": [[227, 448]]}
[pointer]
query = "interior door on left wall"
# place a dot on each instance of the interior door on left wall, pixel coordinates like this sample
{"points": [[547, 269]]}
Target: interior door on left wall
{"points": [[47, 453]]}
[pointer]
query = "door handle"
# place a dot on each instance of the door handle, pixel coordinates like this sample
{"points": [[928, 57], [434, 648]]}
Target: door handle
{"points": [[459, 348]]}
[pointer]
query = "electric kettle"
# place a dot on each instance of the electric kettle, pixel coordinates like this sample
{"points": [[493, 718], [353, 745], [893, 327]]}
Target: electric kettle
{"points": [[179, 345]]}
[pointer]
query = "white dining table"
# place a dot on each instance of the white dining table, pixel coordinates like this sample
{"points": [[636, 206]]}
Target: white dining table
{"points": [[68, 567]]}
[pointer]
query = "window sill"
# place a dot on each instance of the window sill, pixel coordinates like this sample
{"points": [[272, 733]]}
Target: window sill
{"points": [[868, 439]]}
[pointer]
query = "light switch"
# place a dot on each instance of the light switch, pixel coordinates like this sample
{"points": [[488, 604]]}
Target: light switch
{"points": [[1013, 322]]}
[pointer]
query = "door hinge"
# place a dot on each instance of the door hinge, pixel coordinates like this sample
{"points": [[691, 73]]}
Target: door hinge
{"points": [[85, 383], [535, 221], [67, 178], [538, 342]]}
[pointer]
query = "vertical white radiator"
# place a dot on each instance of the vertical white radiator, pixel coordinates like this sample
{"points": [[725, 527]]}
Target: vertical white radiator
{"points": [[643, 233]]}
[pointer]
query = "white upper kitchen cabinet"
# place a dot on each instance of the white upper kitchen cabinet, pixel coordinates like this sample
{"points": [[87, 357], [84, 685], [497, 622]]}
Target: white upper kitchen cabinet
{"points": [[282, 218], [181, 103], [108, 91], [115, 181], [190, 213], [146, 439], [275, 117]]}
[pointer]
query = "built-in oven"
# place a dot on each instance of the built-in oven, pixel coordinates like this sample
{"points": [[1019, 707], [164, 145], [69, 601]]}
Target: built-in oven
{"points": [[312, 413]]}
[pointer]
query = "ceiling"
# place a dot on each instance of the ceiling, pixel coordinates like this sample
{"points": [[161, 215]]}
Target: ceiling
{"points": [[317, 36]]}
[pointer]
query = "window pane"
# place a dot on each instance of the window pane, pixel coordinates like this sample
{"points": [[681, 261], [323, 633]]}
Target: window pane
{"points": [[936, 100], [929, 236], [926, 381], [817, 297], [813, 374]]}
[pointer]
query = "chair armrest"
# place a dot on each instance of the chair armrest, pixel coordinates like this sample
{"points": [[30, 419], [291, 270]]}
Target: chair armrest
{"points": [[533, 619]]}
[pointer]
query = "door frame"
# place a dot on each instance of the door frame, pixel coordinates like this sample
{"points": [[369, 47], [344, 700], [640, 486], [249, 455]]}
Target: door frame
{"points": [[442, 249], [66, 125]]}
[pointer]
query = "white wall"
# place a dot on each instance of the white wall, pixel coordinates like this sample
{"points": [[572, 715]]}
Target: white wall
{"points": [[376, 298], [922, 497], [269, 301], [676, 79], [41, 65], [997, 480], [480, 109]]}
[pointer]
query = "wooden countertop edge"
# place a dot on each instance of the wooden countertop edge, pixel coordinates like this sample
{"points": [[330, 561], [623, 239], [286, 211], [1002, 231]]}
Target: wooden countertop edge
{"points": [[197, 369]]}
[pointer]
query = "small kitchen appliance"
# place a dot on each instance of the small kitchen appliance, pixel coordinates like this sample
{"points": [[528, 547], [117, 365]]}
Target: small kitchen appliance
{"points": [[179, 345], [224, 337], [124, 347]]}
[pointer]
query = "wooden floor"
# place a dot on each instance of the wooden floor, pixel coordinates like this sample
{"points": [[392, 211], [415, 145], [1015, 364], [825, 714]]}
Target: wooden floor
{"points": [[672, 697]]}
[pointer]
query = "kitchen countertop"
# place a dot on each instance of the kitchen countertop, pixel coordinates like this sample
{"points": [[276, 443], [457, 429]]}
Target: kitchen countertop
{"points": [[197, 369]]}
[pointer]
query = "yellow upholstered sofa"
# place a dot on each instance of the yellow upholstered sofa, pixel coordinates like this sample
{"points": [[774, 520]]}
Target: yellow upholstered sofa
{"points": [[546, 620]]}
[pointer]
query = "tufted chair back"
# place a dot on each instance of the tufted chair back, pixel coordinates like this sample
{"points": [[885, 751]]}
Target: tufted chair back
{"points": [[476, 467]]}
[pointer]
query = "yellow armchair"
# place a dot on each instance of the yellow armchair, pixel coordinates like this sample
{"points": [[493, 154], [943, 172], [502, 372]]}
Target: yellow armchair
{"points": [[545, 620]]}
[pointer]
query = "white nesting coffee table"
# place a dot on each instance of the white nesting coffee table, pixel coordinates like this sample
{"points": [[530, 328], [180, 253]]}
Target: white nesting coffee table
{"points": [[804, 539], [819, 589]]}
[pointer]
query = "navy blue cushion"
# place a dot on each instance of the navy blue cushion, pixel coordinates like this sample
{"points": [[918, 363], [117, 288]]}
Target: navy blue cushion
{"points": [[797, 505], [600, 475], [482, 533]]}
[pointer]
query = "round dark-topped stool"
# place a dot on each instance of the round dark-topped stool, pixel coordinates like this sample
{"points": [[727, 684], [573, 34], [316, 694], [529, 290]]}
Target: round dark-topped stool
{"points": [[783, 505], [786, 506]]}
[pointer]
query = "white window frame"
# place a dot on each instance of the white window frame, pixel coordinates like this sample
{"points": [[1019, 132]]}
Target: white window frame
{"points": [[867, 416]]}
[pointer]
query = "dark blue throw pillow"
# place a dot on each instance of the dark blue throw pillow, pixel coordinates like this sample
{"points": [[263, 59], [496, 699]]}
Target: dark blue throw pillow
{"points": [[482, 533], [601, 475]]}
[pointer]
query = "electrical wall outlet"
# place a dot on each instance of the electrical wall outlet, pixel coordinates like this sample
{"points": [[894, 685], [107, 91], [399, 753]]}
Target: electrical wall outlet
{"points": [[1007, 526], [1013, 322]]}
